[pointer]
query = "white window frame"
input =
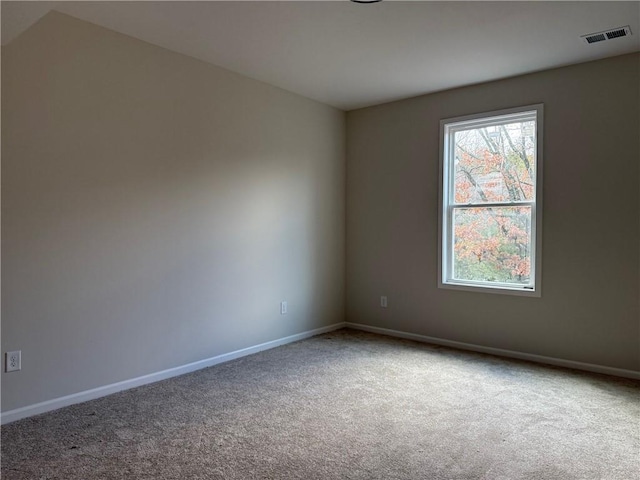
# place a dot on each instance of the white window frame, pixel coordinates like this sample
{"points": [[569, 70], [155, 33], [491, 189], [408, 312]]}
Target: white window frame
{"points": [[445, 228]]}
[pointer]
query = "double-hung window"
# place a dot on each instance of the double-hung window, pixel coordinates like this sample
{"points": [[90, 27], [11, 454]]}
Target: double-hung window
{"points": [[491, 210]]}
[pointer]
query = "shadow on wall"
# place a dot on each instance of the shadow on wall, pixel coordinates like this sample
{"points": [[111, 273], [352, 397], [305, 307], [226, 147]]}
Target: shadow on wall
{"points": [[156, 210]]}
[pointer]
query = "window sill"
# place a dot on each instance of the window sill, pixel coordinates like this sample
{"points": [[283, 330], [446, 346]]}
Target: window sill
{"points": [[501, 290]]}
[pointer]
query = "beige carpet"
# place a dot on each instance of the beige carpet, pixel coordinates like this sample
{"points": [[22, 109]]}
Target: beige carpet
{"points": [[345, 405]]}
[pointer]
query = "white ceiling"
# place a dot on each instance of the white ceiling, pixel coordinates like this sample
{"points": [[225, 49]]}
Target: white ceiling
{"points": [[350, 55]]}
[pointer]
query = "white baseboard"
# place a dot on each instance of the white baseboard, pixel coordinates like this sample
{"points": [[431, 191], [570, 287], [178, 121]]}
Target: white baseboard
{"points": [[618, 372], [56, 403]]}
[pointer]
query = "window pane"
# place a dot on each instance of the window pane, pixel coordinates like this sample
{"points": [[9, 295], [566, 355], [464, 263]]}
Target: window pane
{"points": [[492, 244], [495, 163]]}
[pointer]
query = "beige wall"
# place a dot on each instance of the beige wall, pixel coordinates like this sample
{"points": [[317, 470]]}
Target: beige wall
{"points": [[156, 210], [589, 309]]}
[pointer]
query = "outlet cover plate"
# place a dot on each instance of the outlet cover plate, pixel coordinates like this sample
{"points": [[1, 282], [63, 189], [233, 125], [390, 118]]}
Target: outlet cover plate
{"points": [[383, 301], [13, 361]]}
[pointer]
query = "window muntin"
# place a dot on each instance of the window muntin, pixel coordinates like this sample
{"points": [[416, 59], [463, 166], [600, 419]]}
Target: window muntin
{"points": [[490, 221]]}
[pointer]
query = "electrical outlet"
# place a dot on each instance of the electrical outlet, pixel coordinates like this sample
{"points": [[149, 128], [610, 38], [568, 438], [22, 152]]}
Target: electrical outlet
{"points": [[383, 301], [13, 361], [283, 308]]}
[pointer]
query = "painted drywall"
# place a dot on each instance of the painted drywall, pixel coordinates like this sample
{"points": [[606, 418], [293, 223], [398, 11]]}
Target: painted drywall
{"points": [[156, 210], [589, 309]]}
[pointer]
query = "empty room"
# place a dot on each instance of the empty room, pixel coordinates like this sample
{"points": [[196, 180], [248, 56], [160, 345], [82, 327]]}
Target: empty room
{"points": [[320, 240]]}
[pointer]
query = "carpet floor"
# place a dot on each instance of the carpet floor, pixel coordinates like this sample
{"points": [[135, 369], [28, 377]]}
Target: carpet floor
{"points": [[344, 405]]}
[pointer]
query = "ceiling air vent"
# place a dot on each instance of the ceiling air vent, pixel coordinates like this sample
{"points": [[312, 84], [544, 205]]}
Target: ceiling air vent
{"points": [[607, 35]]}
